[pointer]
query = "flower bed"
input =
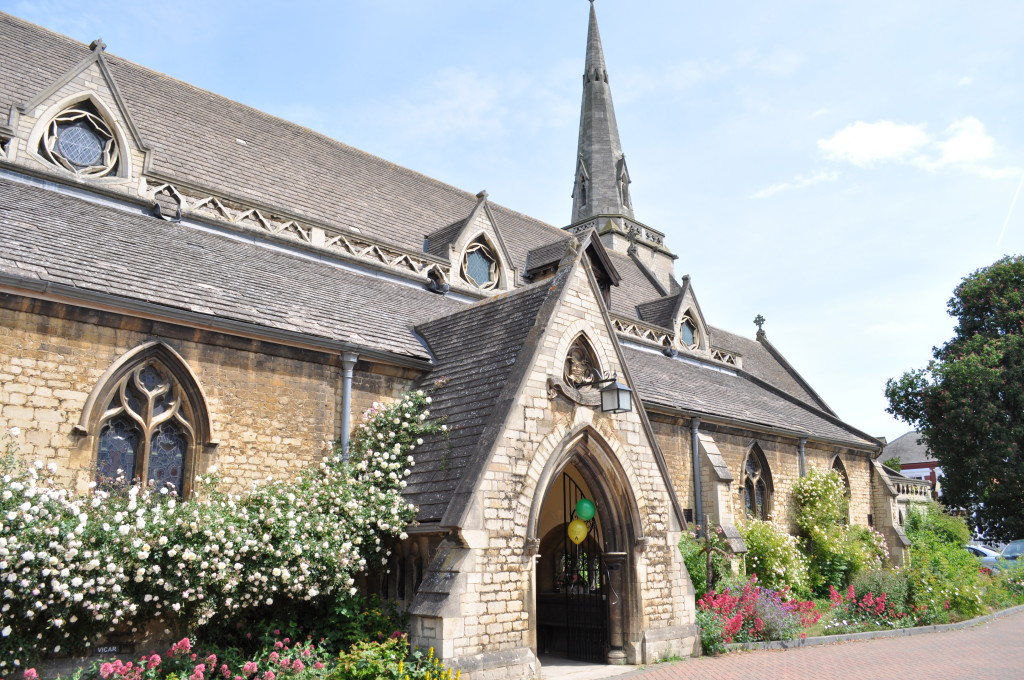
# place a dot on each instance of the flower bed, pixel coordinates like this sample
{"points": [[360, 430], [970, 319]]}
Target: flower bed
{"points": [[78, 567]]}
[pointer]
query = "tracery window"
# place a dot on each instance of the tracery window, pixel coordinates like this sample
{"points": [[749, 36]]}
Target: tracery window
{"points": [[581, 364], [688, 333], [480, 266], [757, 485], [78, 139], [148, 419], [145, 432]]}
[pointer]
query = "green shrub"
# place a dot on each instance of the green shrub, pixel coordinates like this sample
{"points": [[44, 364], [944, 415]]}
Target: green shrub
{"points": [[878, 581], [945, 580], [121, 556], [893, 463], [773, 556], [389, 660], [695, 551], [712, 632], [836, 552]]}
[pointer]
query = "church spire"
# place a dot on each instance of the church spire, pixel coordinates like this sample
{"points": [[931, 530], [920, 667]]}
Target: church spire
{"points": [[602, 183]]}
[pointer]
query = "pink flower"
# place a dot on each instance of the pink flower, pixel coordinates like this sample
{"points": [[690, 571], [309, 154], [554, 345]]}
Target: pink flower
{"points": [[154, 661], [224, 670], [278, 645], [31, 674], [249, 668], [306, 653], [298, 666], [269, 675], [274, 656], [277, 632], [106, 669], [318, 665]]}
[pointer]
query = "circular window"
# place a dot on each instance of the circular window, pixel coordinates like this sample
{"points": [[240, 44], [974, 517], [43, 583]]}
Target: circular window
{"points": [[79, 145], [79, 140], [479, 267]]}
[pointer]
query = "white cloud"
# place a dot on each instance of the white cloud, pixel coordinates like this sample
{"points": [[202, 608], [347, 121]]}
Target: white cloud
{"points": [[965, 81], [966, 142], [864, 144], [964, 145], [798, 182]]}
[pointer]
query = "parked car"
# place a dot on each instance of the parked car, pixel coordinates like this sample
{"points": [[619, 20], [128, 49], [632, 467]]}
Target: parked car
{"points": [[1012, 551], [986, 556]]}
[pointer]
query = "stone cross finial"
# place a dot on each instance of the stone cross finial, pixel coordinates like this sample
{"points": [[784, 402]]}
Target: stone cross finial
{"points": [[759, 322], [98, 45]]}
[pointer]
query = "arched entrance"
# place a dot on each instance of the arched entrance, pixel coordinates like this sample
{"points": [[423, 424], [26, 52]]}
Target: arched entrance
{"points": [[583, 592], [572, 606]]}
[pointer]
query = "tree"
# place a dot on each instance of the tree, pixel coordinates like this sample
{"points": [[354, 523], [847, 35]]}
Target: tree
{"points": [[968, 404]]}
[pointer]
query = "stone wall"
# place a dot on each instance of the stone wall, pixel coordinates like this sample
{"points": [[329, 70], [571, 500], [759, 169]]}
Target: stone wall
{"points": [[272, 413]]}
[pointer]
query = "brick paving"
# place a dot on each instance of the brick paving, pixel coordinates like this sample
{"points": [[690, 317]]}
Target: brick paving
{"points": [[993, 650]]}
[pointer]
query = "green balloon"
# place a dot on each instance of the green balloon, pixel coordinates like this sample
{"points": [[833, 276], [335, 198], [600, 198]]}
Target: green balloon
{"points": [[585, 509]]}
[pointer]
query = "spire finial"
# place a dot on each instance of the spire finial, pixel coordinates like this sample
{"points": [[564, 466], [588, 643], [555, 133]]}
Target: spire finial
{"points": [[759, 322]]}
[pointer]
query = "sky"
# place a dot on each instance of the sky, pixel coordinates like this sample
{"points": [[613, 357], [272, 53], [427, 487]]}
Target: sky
{"points": [[835, 167]]}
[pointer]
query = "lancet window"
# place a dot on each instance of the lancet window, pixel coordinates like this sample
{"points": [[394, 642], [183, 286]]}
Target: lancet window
{"points": [[757, 485]]}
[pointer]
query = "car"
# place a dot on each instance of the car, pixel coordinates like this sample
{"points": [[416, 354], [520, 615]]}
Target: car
{"points": [[1012, 551], [986, 556]]}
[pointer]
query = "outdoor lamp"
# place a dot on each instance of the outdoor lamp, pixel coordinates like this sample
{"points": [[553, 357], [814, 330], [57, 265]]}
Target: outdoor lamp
{"points": [[616, 397]]}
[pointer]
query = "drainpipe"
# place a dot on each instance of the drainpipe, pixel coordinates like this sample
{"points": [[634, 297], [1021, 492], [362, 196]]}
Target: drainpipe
{"points": [[803, 456], [698, 503], [348, 363]]}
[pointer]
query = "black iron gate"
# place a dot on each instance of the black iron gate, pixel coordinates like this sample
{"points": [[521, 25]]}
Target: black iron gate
{"points": [[582, 580]]}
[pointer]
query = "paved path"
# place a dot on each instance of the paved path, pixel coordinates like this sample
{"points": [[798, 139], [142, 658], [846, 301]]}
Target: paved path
{"points": [[989, 651]]}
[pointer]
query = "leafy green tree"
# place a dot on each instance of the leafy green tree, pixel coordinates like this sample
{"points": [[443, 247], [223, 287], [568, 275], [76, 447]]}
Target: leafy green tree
{"points": [[895, 463], [968, 403]]}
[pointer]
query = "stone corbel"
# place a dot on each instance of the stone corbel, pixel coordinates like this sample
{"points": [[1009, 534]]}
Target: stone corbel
{"points": [[590, 399], [531, 548], [642, 544]]}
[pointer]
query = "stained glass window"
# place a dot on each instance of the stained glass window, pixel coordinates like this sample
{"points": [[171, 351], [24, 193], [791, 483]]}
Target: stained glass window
{"points": [[146, 431], [118, 448], [80, 140]]}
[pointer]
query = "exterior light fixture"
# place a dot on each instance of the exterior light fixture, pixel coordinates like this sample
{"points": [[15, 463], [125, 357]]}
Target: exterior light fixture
{"points": [[615, 397]]}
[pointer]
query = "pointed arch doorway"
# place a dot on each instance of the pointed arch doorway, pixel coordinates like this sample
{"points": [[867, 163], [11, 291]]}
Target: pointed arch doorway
{"points": [[582, 590]]}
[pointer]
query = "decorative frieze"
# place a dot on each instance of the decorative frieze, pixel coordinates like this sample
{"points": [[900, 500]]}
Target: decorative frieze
{"points": [[212, 208]]}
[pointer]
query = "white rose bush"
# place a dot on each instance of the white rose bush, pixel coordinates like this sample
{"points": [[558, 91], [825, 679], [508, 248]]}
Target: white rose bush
{"points": [[73, 568]]}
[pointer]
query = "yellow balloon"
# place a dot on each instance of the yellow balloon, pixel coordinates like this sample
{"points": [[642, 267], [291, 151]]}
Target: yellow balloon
{"points": [[577, 531]]}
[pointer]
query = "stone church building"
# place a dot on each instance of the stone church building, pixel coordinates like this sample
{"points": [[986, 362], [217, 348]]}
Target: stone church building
{"points": [[179, 292]]}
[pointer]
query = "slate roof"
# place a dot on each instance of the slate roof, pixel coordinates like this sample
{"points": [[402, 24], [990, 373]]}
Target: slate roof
{"points": [[476, 350], [682, 386], [52, 237], [549, 254], [761, 363], [438, 241], [282, 165], [907, 449], [658, 312], [289, 169]]}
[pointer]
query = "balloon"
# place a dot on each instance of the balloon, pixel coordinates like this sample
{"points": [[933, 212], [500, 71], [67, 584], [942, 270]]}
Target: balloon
{"points": [[577, 531], [585, 509]]}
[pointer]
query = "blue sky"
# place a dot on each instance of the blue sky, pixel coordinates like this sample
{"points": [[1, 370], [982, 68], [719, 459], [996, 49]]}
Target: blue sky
{"points": [[836, 167]]}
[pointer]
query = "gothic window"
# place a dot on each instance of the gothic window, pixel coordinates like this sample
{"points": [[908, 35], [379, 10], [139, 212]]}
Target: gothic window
{"points": [[837, 465], [149, 419], [688, 334], [78, 139], [581, 366], [480, 266], [757, 485]]}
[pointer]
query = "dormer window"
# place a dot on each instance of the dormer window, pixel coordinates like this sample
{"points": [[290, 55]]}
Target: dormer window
{"points": [[688, 333], [479, 266], [78, 139]]}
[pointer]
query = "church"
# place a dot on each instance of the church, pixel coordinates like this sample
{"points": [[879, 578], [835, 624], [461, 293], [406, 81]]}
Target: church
{"points": [[175, 297]]}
